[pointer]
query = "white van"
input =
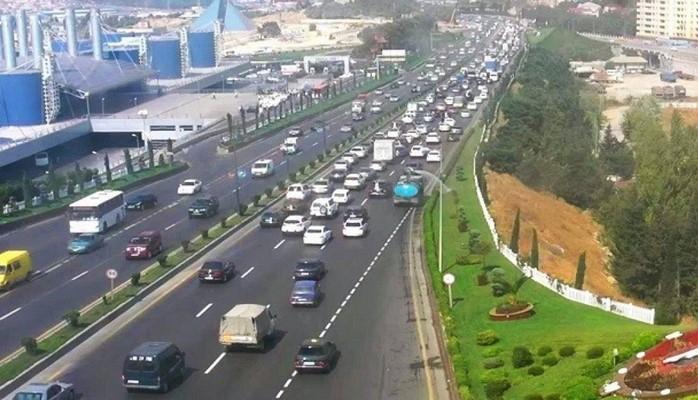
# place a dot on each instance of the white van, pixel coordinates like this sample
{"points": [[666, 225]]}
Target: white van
{"points": [[262, 168], [324, 207]]}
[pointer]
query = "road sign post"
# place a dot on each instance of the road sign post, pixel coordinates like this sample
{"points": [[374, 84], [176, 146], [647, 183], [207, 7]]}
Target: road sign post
{"points": [[111, 274], [449, 280]]}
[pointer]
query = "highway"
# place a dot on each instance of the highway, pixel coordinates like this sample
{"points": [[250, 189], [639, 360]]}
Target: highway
{"points": [[65, 282], [366, 310]]}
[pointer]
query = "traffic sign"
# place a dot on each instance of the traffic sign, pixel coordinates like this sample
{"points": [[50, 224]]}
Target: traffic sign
{"points": [[112, 273], [449, 279]]}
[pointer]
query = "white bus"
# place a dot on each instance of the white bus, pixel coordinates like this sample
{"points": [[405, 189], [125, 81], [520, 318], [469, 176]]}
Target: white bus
{"points": [[97, 212]]}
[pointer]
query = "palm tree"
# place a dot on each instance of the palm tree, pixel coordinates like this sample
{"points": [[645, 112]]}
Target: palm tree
{"points": [[242, 118], [501, 286]]}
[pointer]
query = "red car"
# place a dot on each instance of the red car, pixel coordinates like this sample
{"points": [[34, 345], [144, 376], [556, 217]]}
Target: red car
{"points": [[216, 271], [144, 245]]}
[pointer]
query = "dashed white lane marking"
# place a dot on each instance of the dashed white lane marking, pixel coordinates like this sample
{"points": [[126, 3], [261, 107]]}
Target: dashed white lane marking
{"points": [[402, 162], [212, 366], [167, 228], [203, 310], [288, 382], [78, 276], [323, 246], [281, 393], [391, 173], [364, 202], [279, 244], [11, 313], [315, 144], [247, 273]]}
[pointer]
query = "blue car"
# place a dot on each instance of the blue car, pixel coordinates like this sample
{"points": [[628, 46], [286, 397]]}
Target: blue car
{"points": [[305, 293], [85, 243]]}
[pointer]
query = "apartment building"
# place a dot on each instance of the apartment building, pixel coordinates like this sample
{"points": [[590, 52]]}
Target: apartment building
{"points": [[667, 18]]}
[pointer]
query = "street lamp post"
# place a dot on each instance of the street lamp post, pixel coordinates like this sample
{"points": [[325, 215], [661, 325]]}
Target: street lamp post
{"points": [[235, 161], [102, 105], [138, 142], [441, 210], [144, 114]]}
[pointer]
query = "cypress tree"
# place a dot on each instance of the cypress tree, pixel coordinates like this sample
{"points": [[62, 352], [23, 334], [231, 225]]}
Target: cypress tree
{"points": [[151, 156], [169, 145], [107, 167], [79, 176], [26, 190], [514, 242], [534, 250], [128, 161], [581, 271]]}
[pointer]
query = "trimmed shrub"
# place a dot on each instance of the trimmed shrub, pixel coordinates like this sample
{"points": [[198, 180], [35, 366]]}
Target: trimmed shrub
{"points": [[482, 279], [566, 351], [521, 357], [72, 318], [185, 245], [269, 192], [544, 350], [553, 396], [550, 360], [256, 199], [536, 370], [580, 388], [293, 176], [495, 384], [242, 209], [30, 345], [136, 278], [491, 352], [535, 396], [595, 352], [487, 338], [321, 158], [162, 260], [204, 233], [597, 368], [644, 341], [311, 164], [492, 363], [281, 185]]}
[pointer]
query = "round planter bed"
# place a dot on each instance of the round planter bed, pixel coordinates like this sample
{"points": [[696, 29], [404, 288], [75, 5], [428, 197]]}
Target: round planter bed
{"points": [[518, 311]]}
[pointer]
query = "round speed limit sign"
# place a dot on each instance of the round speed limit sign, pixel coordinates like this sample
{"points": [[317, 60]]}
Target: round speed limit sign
{"points": [[112, 273]]}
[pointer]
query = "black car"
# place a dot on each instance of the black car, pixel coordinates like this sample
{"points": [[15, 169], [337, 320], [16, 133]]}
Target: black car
{"points": [[380, 189], [153, 366], [204, 207], [337, 176], [401, 151], [355, 212], [357, 116], [141, 201], [452, 138], [316, 355], [273, 219], [368, 174], [414, 165], [216, 271], [394, 85], [309, 270]]}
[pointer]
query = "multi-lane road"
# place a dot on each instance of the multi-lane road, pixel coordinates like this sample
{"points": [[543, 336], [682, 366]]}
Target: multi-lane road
{"points": [[366, 308]]}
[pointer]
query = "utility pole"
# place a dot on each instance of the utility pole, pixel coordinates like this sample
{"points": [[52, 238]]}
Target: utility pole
{"points": [[235, 161]]}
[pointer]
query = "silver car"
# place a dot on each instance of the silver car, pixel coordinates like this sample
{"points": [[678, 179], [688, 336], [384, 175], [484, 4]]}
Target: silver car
{"points": [[46, 391]]}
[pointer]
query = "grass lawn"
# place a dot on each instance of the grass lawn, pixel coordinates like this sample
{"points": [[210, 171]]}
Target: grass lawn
{"points": [[557, 322], [570, 45], [537, 36]]}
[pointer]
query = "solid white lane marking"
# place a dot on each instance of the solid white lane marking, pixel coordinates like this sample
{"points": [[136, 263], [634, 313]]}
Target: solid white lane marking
{"points": [[212, 366], [247, 273], [167, 228], [204, 310], [391, 173], [279, 244], [364, 202], [76, 277], [11, 313]]}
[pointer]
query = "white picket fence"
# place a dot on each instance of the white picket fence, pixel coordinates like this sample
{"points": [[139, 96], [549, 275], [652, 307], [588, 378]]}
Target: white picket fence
{"points": [[580, 296]]}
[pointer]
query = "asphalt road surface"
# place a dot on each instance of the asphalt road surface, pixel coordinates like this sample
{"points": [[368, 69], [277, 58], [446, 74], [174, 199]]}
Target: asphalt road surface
{"points": [[366, 310]]}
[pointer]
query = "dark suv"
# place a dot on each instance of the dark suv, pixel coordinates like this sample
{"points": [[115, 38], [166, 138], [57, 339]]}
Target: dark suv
{"points": [[204, 207], [141, 202], [310, 270], [144, 245], [153, 366]]}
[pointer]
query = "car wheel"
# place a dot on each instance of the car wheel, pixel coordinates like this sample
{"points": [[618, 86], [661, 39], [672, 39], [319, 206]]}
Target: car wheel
{"points": [[165, 387], [225, 278]]}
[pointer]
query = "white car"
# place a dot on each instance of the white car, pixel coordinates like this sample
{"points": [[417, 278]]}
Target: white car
{"points": [[378, 92], [342, 165], [440, 107], [346, 128], [359, 151], [354, 227], [422, 129], [393, 133], [354, 182], [189, 186], [478, 100], [394, 99], [483, 95], [407, 119], [434, 156], [418, 151], [295, 224], [433, 138], [472, 106], [324, 207], [376, 109], [378, 166], [317, 235], [349, 157], [341, 196], [465, 114], [321, 186], [262, 168], [428, 117], [450, 121], [449, 100], [296, 131], [376, 103], [413, 134], [409, 139], [298, 191], [444, 127]]}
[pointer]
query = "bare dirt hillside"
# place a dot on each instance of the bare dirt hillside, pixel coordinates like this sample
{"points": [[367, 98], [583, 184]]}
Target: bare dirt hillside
{"points": [[564, 232], [689, 115]]}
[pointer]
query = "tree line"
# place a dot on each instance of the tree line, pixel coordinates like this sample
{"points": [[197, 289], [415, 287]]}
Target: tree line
{"points": [[616, 24], [651, 225], [411, 34]]}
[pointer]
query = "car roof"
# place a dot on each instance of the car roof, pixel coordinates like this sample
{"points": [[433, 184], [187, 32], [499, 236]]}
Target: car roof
{"points": [[266, 160], [150, 348], [316, 227], [305, 283], [190, 180], [313, 342], [354, 220], [148, 233], [341, 190]]}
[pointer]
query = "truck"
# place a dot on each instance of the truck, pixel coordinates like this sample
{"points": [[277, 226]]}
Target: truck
{"points": [[412, 107], [358, 106], [247, 326], [667, 77], [409, 191], [383, 150]]}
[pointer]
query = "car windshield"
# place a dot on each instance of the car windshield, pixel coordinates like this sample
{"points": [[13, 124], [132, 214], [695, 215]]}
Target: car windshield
{"points": [[188, 183], [311, 351], [212, 265], [28, 396], [139, 364], [2, 269], [84, 238], [83, 213], [304, 287], [260, 165], [139, 240], [354, 224], [315, 230], [308, 265]]}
